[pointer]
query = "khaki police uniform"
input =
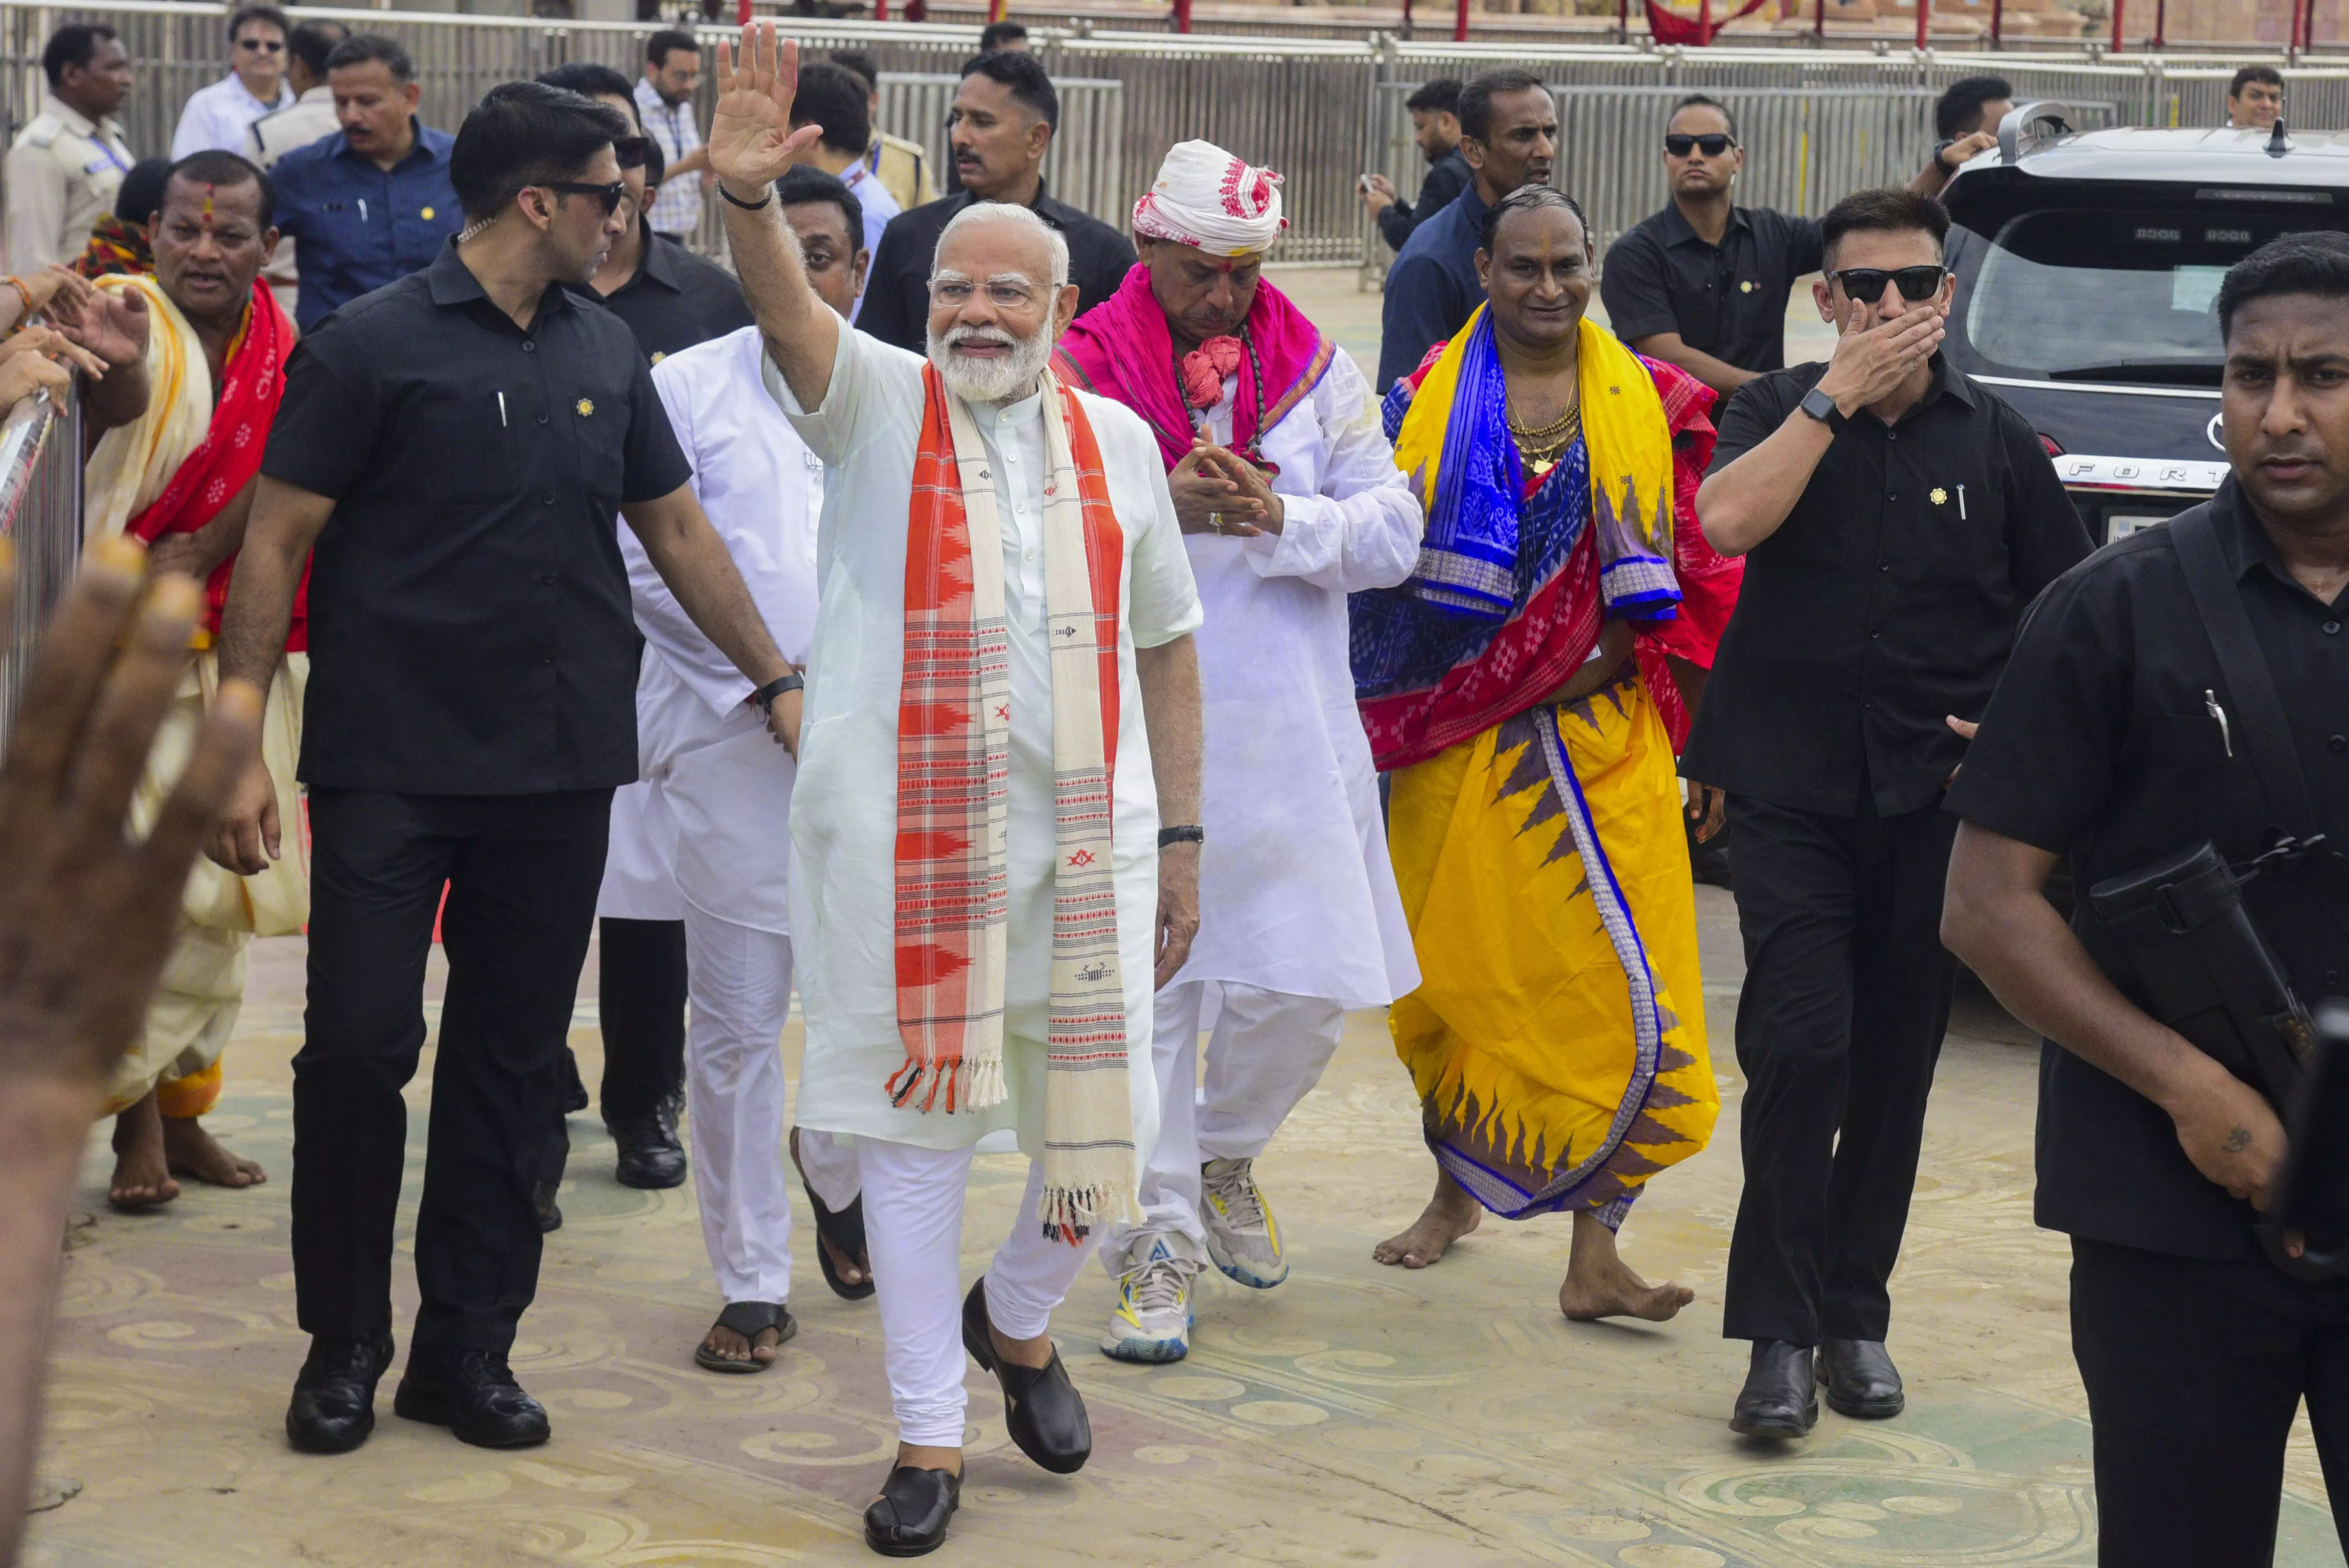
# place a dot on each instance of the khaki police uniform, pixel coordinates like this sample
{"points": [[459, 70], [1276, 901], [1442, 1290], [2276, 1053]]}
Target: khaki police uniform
{"points": [[902, 168], [62, 174]]}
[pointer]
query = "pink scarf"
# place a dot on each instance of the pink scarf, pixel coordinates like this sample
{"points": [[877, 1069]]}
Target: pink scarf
{"points": [[1121, 349]]}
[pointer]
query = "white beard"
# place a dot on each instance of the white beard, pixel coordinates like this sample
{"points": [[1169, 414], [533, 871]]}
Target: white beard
{"points": [[992, 380]]}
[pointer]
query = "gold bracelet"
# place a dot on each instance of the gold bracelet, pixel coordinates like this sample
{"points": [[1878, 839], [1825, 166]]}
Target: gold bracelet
{"points": [[21, 292]]}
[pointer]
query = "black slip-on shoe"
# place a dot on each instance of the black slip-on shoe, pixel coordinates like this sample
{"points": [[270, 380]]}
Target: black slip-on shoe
{"points": [[333, 1409], [474, 1394], [909, 1518], [1860, 1379], [1041, 1409], [1780, 1398]]}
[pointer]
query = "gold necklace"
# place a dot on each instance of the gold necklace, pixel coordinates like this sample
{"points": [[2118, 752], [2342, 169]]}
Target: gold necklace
{"points": [[1543, 447]]}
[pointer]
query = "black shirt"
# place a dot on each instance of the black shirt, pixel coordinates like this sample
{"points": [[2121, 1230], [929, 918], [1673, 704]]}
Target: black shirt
{"points": [[1446, 178], [470, 629], [1886, 601], [897, 307], [2100, 746], [676, 300], [1727, 300]]}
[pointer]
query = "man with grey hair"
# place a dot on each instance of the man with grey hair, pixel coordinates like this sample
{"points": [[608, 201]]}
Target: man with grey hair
{"points": [[1002, 709]]}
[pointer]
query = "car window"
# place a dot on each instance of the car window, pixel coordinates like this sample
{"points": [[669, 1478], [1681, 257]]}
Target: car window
{"points": [[2116, 294]]}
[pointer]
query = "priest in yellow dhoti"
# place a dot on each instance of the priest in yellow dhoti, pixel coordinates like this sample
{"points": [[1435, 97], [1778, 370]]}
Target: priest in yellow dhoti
{"points": [[1523, 688], [180, 476]]}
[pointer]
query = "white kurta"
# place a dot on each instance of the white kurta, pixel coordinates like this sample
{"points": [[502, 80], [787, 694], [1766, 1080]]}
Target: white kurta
{"points": [[719, 774], [844, 814], [1297, 893]]}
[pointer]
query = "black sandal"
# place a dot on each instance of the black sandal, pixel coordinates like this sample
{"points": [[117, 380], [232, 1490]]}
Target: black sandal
{"points": [[748, 1319], [844, 1229]]}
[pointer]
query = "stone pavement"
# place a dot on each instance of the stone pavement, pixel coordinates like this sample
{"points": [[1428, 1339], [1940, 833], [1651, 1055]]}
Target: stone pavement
{"points": [[1356, 1415]]}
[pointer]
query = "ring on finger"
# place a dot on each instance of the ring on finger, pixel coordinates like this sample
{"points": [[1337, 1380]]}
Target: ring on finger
{"points": [[1216, 521]]}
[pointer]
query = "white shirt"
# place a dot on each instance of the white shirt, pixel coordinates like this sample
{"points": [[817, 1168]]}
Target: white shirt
{"points": [[217, 116], [844, 812], [1297, 892], [62, 172], [308, 119], [719, 775], [879, 208]]}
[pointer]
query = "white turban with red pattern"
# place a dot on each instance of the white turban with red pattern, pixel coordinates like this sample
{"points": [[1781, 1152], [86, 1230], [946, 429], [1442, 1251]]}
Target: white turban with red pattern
{"points": [[1205, 198]]}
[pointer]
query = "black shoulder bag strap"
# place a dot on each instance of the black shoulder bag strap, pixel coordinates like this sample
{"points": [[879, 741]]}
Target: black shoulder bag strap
{"points": [[2264, 730]]}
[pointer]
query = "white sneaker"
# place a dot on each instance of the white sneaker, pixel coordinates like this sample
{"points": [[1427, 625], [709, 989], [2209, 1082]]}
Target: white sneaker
{"points": [[1152, 1320], [1242, 1236]]}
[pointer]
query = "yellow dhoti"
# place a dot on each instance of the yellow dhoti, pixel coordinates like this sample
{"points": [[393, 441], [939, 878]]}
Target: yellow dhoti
{"points": [[202, 988], [1558, 1036]]}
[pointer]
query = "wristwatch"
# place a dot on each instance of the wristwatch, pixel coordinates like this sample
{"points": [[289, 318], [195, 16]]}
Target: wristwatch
{"points": [[763, 699], [1940, 148], [1822, 407], [1188, 833]]}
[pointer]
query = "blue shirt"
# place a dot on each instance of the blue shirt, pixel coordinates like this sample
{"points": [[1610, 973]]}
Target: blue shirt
{"points": [[1432, 290], [360, 227]]}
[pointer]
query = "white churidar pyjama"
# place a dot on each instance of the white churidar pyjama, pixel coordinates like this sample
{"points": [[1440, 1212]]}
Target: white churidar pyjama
{"points": [[1266, 1053], [913, 1225]]}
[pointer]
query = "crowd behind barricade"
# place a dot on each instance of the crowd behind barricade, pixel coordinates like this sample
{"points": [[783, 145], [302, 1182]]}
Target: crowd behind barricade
{"points": [[456, 539]]}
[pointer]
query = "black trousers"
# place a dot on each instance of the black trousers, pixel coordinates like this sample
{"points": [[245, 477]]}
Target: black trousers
{"points": [[523, 873], [1846, 998], [2194, 1370], [640, 992]]}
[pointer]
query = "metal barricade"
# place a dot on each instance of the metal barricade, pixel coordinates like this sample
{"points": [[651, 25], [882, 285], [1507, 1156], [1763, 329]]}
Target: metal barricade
{"points": [[1322, 111], [40, 516]]}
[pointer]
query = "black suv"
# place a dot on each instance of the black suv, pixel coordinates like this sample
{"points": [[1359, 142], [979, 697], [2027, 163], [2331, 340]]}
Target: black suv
{"points": [[2087, 265]]}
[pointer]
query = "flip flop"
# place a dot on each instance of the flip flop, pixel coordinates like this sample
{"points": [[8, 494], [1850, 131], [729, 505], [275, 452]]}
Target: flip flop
{"points": [[844, 1228], [748, 1319]]}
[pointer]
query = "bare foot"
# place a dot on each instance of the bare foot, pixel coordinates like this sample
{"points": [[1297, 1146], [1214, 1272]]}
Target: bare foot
{"points": [[728, 1345], [1451, 1214], [190, 1150], [142, 1176], [1598, 1285]]}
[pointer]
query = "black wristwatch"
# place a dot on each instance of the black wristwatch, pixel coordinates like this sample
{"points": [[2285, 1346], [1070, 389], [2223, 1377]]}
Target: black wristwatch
{"points": [[1822, 407], [1940, 148], [763, 699], [1189, 833]]}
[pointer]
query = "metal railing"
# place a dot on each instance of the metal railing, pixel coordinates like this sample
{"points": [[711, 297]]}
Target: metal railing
{"points": [[40, 515], [1321, 109]]}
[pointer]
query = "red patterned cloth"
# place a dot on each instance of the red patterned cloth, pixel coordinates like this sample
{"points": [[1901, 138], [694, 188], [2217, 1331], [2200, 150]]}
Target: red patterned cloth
{"points": [[251, 385]]}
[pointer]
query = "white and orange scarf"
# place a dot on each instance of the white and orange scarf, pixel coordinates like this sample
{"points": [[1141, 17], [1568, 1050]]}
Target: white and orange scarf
{"points": [[954, 732]]}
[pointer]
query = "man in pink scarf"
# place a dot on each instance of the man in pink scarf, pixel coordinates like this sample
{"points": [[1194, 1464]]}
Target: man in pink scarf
{"points": [[1288, 495]]}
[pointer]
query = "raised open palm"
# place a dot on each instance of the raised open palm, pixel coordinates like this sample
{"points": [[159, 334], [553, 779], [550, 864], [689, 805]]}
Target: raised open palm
{"points": [[751, 142]]}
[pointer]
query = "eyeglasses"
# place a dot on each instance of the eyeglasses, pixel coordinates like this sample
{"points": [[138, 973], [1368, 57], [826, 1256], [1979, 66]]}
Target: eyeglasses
{"points": [[1001, 291], [611, 195], [632, 150], [262, 46], [1713, 144], [1865, 284]]}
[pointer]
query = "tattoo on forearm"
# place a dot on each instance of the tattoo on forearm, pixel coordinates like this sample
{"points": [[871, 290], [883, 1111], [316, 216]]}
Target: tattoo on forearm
{"points": [[2238, 1140]]}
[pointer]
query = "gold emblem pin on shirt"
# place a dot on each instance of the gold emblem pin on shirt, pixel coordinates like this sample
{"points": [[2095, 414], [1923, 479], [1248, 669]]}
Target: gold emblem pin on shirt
{"points": [[586, 406], [1745, 287], [1939, 497], [427, 214]]}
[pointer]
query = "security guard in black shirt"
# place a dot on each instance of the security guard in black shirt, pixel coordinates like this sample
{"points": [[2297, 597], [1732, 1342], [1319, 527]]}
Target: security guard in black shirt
{"points": [[2118, 737], [1897, 520], [455, 445]]}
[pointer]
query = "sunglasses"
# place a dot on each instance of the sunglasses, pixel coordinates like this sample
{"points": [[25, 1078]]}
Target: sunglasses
{"points": [[632, 150], [611, 195], [262, 46], [1865, 284], [1713, 144]]}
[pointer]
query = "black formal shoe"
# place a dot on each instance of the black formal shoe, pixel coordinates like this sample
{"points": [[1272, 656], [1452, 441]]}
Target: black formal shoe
{"points": [[550, 1213], [909, 1518], [1779, 1399], [1041, 1409], [1861, 1381], [650, 1157], [332, 1409], [474, 1394]]}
